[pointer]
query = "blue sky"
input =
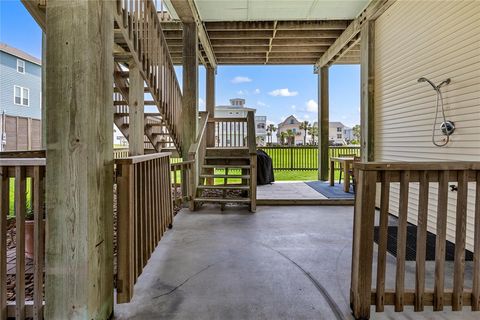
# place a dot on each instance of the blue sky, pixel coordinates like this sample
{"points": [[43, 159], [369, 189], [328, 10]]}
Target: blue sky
{"points": [[275, 91]]}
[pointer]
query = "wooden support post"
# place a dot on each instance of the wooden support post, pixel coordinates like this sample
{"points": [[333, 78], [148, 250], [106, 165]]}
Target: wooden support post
{"points": [[362, 257], [79, 190], [323, 119], [367, 75], [190, 95], [190, 87], [136, 112], [44, 90], [210, 103]]}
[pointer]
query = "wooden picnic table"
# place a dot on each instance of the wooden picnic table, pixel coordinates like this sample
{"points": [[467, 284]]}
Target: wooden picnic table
{"points": [[346, 163]]}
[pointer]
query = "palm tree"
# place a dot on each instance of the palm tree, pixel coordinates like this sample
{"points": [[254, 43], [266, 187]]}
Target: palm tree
{"points": [[283, 135], [304, 126], [290, 136], [313, 131], [270, 130]]}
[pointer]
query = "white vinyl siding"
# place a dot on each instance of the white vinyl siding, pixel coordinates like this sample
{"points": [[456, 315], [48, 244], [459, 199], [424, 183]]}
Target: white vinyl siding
{"points": [[21, 96], [437, 40]]}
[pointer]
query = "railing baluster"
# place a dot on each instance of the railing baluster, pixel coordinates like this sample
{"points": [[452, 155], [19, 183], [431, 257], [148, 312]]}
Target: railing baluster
{"points": [[4, 210], [440, 240], [38, 200], [460, 237], [382, 244], [476, 249], [401, 240], [20, 201], [421, 240]]}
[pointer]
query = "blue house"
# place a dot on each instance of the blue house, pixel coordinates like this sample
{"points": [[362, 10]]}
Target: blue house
{"points": [[20, 100]]}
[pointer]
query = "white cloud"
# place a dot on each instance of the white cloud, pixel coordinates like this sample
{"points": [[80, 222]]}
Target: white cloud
{"points": [[240, 79], [242, 92], [312, 106], [283, 93], [270, 122], [306, 116], [261, 104], [201, 102], [256, 91], [293, 107]]}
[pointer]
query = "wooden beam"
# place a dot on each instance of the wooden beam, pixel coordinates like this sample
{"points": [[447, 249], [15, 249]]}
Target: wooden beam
{"points": [[374, 10], [136, 112], [190, 87], [282, 25], [251, 34], [237, 43], [187, 12], [323, 124], [311, 34], [36, 10], [79, 169], [367, 78]]}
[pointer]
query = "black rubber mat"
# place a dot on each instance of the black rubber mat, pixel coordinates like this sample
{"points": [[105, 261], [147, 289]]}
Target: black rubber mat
{"points": [[412, 245]]}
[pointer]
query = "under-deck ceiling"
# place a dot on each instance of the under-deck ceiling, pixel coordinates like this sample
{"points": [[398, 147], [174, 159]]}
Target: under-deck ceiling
{"points": [[265, 42]]}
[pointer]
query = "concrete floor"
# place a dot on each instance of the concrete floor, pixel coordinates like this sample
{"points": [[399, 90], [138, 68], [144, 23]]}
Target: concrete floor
{"points": [[285, 190], [279, 263]]}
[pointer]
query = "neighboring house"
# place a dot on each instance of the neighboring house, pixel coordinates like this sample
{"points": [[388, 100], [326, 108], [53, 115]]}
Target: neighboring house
{"points": [[291, 123], [338, 133], [237, 109], [348, 134], [20, 100], [261, 130]]}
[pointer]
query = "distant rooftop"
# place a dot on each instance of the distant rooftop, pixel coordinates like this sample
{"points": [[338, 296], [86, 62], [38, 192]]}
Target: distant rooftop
{"points": [[19, 53]]}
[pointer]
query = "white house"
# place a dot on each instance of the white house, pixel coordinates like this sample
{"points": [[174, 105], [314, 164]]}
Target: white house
{"points": [[237, 109]]}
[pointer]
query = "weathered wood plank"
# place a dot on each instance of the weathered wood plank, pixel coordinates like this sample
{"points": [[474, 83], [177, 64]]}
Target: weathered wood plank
{"points": [[421, 241], [4, 209], [39, 236], [460, 236], [323, 123], [79, 250], [20, 201], [382, 243], [476, 249], [401, 240], [442, 205]]}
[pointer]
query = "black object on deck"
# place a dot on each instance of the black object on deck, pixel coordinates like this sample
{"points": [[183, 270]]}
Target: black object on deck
{"points": [[411, 251], [264, 168]]}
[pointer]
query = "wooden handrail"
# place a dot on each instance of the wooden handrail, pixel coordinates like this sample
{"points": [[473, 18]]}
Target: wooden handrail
{"points": [[22, 162], [194, 148], [252, 142], [142, 158], [227, 120], [418, 166]]}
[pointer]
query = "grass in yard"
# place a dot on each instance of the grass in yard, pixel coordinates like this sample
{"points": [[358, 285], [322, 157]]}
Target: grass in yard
{"points": [[28, 187]]}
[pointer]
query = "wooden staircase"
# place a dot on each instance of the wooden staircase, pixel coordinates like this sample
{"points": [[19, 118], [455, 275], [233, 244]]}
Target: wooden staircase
{"points": [[225, 172], [230, 167]]}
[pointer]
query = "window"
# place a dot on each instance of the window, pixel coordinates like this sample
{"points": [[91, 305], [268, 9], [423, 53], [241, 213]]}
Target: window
{"points": [[339, 129], [20, 66], [261, 126], [291, 121], [21, 95], [339, 136]]}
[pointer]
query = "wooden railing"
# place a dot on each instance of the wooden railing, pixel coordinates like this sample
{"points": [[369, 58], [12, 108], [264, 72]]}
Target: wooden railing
{"points": [[230, 132], [145, 211], [120, 153], [252, 150], [422, 174], [303, 158], [180, 171], [25, 176], [140, 27], [197, 155]]}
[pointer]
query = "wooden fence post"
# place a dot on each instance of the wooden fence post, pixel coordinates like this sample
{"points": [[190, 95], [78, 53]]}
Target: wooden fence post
{"points": [[362, 256]]}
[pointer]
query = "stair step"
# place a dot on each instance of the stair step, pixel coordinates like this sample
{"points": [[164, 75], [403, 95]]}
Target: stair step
{"points": [[224, 187], [224, 166], [222, 200], [224, 176]]}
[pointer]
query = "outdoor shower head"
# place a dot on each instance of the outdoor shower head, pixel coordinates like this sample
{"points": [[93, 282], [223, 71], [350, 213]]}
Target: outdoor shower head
{"points": [[423, 79]]}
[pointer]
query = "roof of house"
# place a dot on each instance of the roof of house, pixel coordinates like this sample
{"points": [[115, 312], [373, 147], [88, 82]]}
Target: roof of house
{"points": [[284, 122], [331, 124], [19, 53], [234, 108]]}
